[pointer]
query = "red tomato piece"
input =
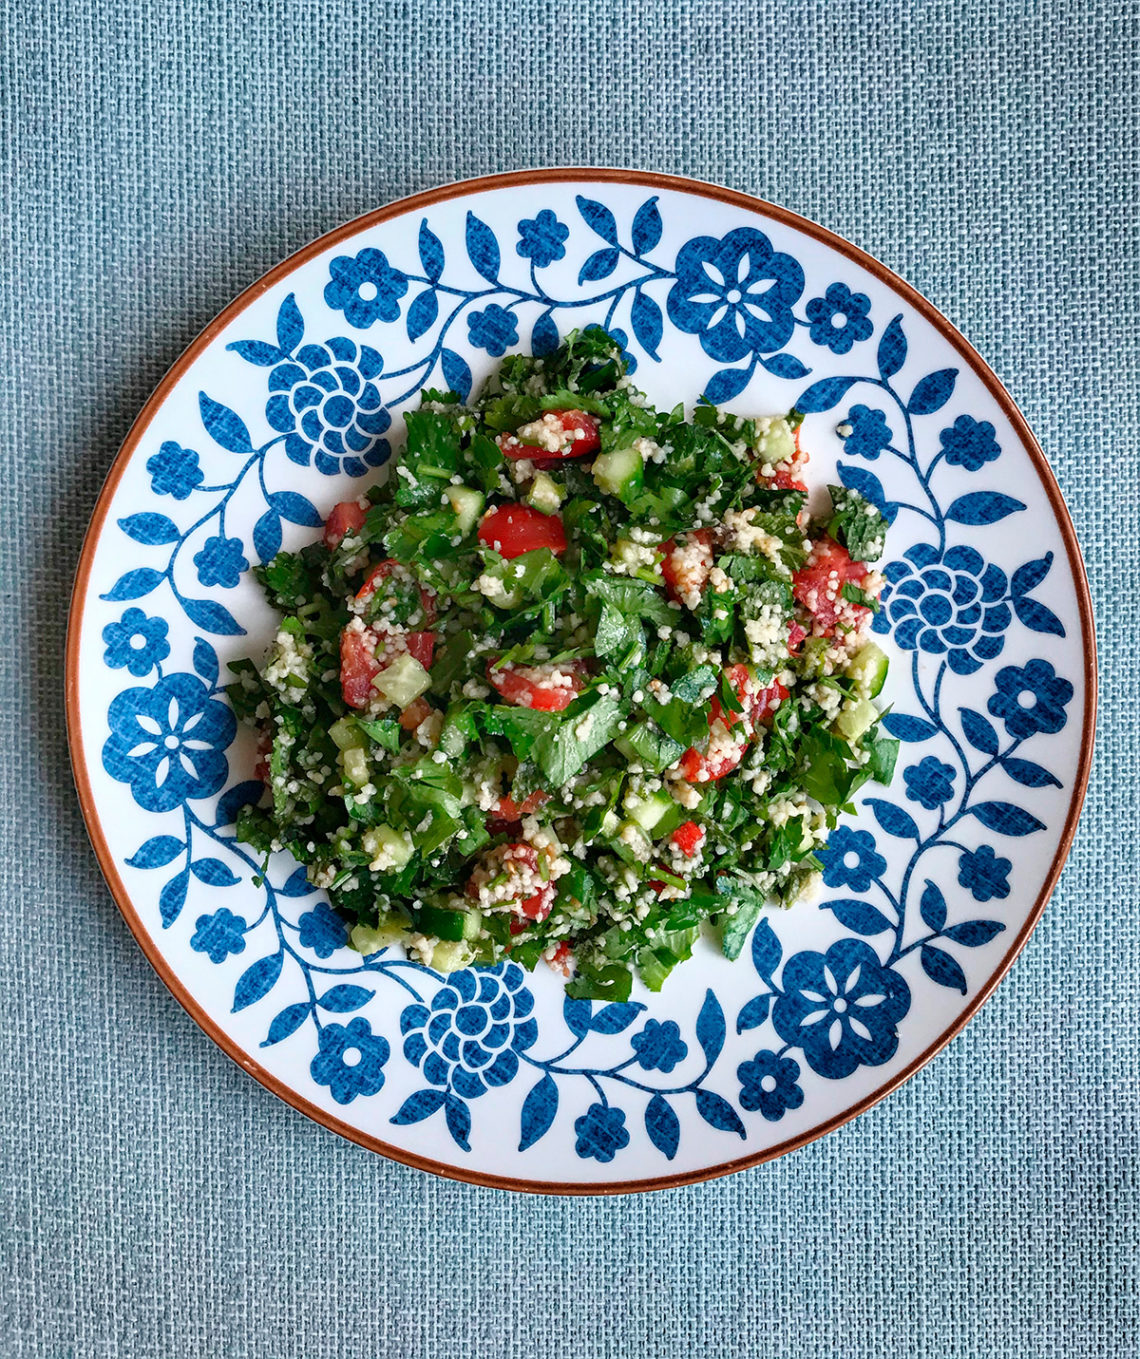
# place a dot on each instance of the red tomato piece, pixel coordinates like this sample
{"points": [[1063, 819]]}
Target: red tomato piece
{"points": [[688, 838], [698, 768], [785, 481], [757, 706], [796, 634], [818, 586], [358, 666], [529, 686], [562, 959], [577, 431], [380, 572], [420, 645], [507, 809], [345, 518], [415, 713], [686, 565], [514, 529]]}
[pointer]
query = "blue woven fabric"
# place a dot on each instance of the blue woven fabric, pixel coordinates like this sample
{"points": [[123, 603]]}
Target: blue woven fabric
{"points": [[156, 159]]}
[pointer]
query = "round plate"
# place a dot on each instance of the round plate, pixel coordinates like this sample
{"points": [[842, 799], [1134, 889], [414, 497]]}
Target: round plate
{"points": [[287, 404]]}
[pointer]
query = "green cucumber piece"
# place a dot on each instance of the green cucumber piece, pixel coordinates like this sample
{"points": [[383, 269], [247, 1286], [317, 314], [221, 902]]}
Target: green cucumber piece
{"points": [[444, 923], [647, 811], [389, 929], [855, 717], [620, 473], [867, 670], [393, 848], [347, 735], [452, 955], [355, 763], [403, 681], [777, 443], [544, 494], [467, 504]]}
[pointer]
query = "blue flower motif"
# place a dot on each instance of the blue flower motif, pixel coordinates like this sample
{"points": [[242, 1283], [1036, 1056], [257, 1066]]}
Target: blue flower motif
{"points": [[137, 642], [219, 935], [174, 470], [984, 874], [541, 239], [659, 1047], [470, 1038], [493, 329], [768, 1083], [930, 782], [322, 930], [870, 434], [839, 300], [1048, 693], [601, 1132], [220, 562], [842, 1008], [953, 605], [168, 742], [365, 287], [843, 844], [970, 443], [326, 401], [736, 293], [350, 1060]]}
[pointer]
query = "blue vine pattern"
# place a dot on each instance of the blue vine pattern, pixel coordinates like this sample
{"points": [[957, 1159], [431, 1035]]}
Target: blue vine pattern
{"points": [[468, 1034]]}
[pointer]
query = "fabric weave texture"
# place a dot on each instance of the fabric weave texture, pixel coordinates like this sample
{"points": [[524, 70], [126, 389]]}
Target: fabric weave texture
{"points": [[156, 160]]}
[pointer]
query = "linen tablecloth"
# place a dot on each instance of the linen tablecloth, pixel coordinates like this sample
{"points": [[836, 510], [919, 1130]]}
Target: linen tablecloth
{"points": [[157, 157]]}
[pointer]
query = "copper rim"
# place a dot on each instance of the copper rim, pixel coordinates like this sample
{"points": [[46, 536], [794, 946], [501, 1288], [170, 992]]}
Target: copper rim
{"points": [[415, 203]]}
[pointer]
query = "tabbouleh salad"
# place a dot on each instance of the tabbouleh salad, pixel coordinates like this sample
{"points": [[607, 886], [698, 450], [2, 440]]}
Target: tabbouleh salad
{"points": [[580, 677]]}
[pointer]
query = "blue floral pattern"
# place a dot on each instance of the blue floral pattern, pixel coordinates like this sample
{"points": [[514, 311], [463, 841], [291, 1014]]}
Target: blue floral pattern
{"points": [[949, 608]]}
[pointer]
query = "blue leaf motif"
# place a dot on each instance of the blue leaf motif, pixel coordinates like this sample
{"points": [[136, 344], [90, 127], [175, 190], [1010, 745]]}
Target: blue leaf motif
{"points": [[205, 661], [419, 1106], [908, 728], [716, 1111], [647, 227], [754, 1013], [974, 933], [941, 968], [822, 395], [431, 252], [932, 392], [982, 507], [257, 981], [156, 852], [1029, 576], [932, 907], [726, 384], [979, 731], [710, 1027], [600, 264], [258, 352], [150, 529], [544, 336], [1037, 617], [785, 366], [234, 799], [340, 1000], [538, 1111], [224, 426], [267, 536], [172, 898], [297, 884], [1006, 819], [576, 1016], [614, 1018], [1028, 774], [422, 313], [296, 508], [212, 616], [482, 248], [134, 584], [458, 1117], [892, 349], [859, 916], [213, 872], [288, 1021], [645, 318], [869, 487], [456, 373], [663, 1126], [599, 218], [766, 951], [290, 325], [893, 819]]}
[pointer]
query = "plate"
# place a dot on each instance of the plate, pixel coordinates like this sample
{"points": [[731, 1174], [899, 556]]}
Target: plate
{"points": [[292, 399]]}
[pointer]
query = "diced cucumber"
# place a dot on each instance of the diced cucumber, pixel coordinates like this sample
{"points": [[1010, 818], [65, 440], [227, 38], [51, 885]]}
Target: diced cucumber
{"points": [[632, 844], [545, 494], [856, 715], [372, 938], [647, 811], [355, 763], [620, 473], [467, 504], [390, 849], [403, 681], [452, 955], [610, 823], [448, 924], [868, 670], [778, 443], [347, 735]]}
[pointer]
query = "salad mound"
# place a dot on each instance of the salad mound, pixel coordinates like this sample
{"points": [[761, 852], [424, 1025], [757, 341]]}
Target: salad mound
{"points": [[580, 677]]}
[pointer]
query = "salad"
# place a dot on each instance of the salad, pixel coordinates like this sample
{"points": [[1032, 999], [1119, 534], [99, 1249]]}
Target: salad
{"points": [[581, 678]]}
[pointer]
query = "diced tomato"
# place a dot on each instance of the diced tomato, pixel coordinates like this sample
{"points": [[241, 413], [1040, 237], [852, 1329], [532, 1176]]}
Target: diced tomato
{"points": [[507, 809], [686, 570], [818, 586], [698, 768], [415, 713], [420, 645], [785, 481], [529, 686], [516, 859], [657, 885], [757, 706], [688, 838], [562, 958], [380, 572], [345, 518], [358, 666], [538, 906], [579, 435], [514, 529], [796, 634]]}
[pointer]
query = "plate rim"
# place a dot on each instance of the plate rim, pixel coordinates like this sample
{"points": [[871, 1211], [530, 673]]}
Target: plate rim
{"points": [[429, 198]]}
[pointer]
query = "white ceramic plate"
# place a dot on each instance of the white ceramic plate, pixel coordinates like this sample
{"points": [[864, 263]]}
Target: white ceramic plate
{"points": [[285, 405]]}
